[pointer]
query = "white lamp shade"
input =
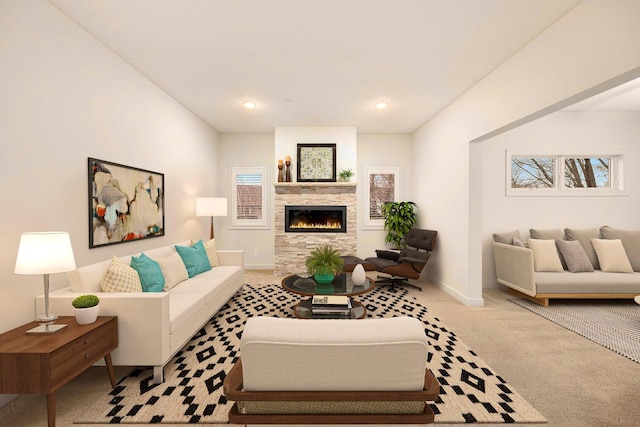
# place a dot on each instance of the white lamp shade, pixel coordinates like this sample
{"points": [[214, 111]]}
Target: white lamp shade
{"points": [[45, 253], [211, 206]]}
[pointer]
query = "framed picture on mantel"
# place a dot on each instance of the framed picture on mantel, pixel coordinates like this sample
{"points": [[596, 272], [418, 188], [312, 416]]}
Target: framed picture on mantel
{"points": [[316, 163]]}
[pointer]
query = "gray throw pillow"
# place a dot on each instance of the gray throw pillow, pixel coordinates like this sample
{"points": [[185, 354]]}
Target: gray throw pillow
{"points": [[507, 238], [584, 236], [630, 241], [574, 256]]}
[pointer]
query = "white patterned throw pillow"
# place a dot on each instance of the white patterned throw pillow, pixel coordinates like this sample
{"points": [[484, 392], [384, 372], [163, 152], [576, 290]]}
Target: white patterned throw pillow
{"points": [[212, 254], [120, 277]]}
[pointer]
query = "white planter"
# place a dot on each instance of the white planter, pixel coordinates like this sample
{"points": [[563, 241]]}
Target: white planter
{"points": [[358, 277], [85, 316]]}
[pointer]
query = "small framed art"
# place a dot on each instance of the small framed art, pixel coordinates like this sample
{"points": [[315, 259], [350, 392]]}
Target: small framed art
{"points": [[316, 163]]}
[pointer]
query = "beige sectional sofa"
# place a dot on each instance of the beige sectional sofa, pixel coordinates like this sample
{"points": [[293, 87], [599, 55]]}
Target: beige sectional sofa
{"points": [[571, 263], [153, 326]]}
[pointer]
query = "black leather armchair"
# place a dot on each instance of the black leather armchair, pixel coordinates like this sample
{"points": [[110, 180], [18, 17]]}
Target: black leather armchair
{"points": [[409, 262]]}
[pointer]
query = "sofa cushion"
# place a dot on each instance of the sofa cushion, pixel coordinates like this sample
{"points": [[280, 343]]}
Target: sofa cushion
{"points": [[574, 256], [173, 270], [554, 234], [507, 238], [630, 241], [597, 282], [150, 273], [277, 354], [612, 256], [545, 255], [194, 258], [584, 236], [119, 277]]}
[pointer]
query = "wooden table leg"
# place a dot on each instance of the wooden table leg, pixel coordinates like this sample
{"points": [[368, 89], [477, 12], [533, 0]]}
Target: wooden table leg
{"points": [[112, 377], [51, 409]]}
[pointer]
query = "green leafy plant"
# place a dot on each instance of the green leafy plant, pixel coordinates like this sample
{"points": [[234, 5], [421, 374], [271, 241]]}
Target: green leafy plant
{"points": [[345, 174], [399, 218], [324, 260], [85, 301]]}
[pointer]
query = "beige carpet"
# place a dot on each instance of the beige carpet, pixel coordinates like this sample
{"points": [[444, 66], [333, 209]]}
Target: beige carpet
{"points": [[570, 380]]}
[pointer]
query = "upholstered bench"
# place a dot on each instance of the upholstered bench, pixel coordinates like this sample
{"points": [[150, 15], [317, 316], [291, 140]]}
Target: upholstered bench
{"points": [[333, 371]]}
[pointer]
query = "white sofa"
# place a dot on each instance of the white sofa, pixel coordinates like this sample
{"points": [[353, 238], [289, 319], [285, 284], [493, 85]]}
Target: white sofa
{"points": [[332, 370], [153, 326], [516, 266]]}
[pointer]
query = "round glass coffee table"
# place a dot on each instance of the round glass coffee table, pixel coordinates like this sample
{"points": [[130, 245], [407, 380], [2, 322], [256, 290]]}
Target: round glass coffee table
{"points": [[341, 285]]}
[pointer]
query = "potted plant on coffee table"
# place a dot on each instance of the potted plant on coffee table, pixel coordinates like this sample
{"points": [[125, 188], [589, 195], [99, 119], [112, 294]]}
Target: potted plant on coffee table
{"points": [[324, 262], [86, 309]]}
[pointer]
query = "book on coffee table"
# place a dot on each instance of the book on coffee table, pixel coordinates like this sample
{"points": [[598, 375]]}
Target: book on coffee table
{"points": [[331, 301], [331, 305]]}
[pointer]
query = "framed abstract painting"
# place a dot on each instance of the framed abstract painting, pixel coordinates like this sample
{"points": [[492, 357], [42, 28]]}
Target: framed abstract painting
{"points": [[125, 203], [316, 163]]}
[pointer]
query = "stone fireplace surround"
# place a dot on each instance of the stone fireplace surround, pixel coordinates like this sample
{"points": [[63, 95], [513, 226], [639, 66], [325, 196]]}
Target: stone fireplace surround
{"points": [[291, 249]]}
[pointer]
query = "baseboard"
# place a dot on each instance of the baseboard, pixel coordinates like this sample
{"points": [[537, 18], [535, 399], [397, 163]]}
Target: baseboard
{"points": [[471, 302]]}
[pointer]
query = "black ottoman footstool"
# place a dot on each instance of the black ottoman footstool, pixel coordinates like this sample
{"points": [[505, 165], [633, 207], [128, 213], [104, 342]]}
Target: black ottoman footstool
{"points": [[351, 261]]}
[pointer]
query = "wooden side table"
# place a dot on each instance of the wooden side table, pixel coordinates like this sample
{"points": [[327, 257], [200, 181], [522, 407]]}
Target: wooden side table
{"points": [[41, 364]]}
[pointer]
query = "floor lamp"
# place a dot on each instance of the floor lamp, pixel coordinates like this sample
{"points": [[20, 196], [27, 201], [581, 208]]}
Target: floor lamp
{"points": [[45, 253], [211, 206]]}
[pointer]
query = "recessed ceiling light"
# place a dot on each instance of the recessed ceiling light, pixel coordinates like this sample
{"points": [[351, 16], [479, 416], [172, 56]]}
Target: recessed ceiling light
{"points": [[249, 104], [382, 105]]}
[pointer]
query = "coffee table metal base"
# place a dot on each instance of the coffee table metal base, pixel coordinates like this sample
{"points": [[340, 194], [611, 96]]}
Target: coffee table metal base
{"points": [[302, 310]]}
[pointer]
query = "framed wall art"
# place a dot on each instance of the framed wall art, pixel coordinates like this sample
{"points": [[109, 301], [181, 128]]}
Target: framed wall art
{"points": [[316, 163], [125, 203]]}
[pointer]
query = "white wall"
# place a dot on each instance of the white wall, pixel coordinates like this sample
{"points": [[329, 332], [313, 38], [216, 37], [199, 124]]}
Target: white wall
{"points": [[247, 150], [594, 42], [287, 138], [382, 150], [66, 97], [560, 133]]}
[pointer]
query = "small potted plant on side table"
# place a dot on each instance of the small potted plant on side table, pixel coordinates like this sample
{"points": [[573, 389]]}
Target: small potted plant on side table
{"points": [[86, 309], [324, 263]]}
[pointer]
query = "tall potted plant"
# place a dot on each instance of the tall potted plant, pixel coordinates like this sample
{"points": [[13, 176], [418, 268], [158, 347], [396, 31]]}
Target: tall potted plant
{"points": [[324, 263], [399, 218]]}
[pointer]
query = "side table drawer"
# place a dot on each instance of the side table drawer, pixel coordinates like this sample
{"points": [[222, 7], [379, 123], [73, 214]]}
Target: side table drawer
{"points": [[81, 353]]}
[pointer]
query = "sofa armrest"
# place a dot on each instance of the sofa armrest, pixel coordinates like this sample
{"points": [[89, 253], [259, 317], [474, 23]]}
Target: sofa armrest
{"points": [[514, 267], [143, 322], [231, 257]]}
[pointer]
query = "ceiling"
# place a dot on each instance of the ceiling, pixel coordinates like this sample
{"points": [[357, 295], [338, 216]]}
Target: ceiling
{"points": [[315, 62]]}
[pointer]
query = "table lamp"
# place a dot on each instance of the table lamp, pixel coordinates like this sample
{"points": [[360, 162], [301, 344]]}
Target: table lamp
{"points": [[211, 206], [45, 253]]}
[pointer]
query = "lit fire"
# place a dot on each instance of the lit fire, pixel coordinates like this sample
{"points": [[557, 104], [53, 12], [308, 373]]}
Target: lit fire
{"points": [[329, 225]]}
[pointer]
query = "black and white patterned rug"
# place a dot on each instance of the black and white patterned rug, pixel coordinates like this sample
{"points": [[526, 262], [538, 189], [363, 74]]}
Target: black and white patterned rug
{"points": [[471, 392], [614, 324]]}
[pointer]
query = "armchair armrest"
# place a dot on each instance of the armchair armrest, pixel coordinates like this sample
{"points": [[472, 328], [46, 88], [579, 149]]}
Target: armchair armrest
{"points": [[390, 255]]}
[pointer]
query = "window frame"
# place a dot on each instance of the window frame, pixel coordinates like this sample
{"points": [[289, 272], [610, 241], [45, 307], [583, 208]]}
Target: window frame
{"points": [[616, 177], [248, 224], [378, 224]]}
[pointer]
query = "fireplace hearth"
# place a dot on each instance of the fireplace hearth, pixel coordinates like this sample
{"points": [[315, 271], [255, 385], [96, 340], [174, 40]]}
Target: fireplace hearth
{"points": [[315, 219]]}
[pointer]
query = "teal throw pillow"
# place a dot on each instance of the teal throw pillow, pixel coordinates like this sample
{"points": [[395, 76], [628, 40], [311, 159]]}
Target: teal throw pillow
{"points": [[150, 273], [194, 258]]}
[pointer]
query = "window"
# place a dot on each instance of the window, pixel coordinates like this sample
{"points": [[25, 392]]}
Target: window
{"points": [[564, 175], [248, 197], [383, 185]]}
